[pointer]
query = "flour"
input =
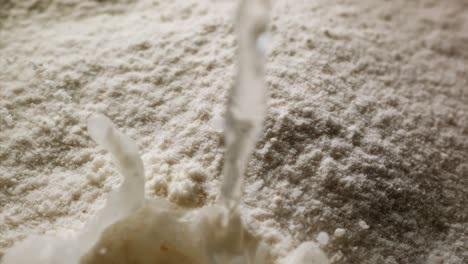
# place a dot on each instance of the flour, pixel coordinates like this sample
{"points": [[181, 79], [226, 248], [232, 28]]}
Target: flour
{"points": [[368, 119]]}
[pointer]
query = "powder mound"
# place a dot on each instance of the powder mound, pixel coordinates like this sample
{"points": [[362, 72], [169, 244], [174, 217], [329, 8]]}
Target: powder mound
{"points": [[380, 87], [381, 186]]}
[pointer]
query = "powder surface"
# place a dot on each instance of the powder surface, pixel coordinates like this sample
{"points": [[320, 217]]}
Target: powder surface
{"points": [[366, 138]]}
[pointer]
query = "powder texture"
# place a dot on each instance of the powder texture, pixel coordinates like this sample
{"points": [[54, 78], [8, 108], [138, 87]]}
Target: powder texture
{"points": [[366, 138]]}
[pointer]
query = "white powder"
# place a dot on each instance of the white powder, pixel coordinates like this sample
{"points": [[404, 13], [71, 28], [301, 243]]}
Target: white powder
{"points": [[323, 238], [340, 232], [368, 118], [363, 225]]}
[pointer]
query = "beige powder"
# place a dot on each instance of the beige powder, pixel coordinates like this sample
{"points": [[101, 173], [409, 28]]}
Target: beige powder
{"points": [[367, 128]]}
